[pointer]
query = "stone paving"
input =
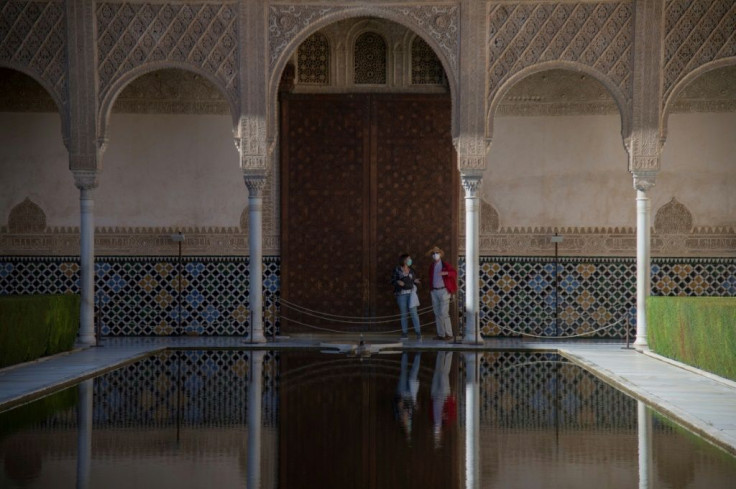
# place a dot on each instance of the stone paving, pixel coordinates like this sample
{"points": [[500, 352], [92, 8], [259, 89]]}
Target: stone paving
{"points": [[704, 403]]}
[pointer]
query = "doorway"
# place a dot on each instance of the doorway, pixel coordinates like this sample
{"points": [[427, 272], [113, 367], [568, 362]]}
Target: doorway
{"points": [[364, 178]]}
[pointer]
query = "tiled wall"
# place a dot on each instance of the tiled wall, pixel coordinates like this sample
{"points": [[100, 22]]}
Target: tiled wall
{"points": [[531, 295], [140, 295], [539, 296]]}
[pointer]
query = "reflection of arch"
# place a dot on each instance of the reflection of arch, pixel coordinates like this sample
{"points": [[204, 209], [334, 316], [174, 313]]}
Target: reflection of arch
{"points": [[684, 82], [327, 18], [120, 83], [617, 94], [49, 90]]}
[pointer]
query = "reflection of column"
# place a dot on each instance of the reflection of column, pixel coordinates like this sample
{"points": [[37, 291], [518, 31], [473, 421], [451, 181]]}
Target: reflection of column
{"points": [[86, 182], [643, 256], [472, 422], [255, 423], [84, 433], [471, 184], [255, 244], [645, 445]]}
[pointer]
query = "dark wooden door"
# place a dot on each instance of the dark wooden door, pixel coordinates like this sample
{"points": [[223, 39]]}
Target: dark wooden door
{"points": [[364, 178]]}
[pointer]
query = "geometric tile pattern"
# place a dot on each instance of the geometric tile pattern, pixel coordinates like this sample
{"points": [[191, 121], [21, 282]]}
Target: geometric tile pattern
{"points": [[535, 390], [139, 296], [543, 297]]}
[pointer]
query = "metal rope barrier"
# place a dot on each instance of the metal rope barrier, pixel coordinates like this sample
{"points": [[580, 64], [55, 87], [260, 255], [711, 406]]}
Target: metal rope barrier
{"points": [[365, 320], [326, 315]]}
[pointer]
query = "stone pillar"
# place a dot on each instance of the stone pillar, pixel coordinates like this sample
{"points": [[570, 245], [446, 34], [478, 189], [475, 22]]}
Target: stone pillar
{"points": [[86, 182], [644, 430], [255, 244], [84, 433], [255, 423], [472, 421], [642, 184], [471, 184]]}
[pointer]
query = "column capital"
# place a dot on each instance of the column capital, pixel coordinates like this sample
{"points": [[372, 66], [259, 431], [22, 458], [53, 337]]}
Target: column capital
{"points": [[86, 179], [256, 182], [471, 152], [644, 181], [471, 182]]}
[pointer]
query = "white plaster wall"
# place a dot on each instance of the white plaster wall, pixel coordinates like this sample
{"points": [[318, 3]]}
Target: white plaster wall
{"points": [[158, 171], [699, 167], [559, 171], [34, 163], [573, 171], [182, 170], [170, 170]]}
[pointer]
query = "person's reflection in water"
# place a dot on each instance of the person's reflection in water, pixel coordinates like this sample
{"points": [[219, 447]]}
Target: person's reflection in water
{"points": [[444, 405], [406, 393]]}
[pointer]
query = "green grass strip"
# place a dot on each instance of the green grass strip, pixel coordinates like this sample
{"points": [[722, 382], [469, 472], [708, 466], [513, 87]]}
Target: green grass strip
{"points": [[36, 325], [698, 331]]}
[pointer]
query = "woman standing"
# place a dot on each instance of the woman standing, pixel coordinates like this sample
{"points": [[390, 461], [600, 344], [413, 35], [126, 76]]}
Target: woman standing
{"points": [[404, 279]]}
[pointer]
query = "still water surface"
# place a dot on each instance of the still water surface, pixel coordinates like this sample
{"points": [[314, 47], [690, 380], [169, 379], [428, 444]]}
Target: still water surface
{"points": [[182, 419]]}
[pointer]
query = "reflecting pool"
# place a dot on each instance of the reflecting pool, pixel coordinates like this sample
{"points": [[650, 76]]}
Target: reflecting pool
{"points": [[236, 419]]}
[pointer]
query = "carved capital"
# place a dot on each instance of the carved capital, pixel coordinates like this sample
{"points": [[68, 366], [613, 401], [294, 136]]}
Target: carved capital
{"points": [[471, 183], [643, 181], [256, 183], [86, 179], [471, 152]]}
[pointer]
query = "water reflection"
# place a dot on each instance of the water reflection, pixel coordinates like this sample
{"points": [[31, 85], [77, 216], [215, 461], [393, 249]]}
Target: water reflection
{"points": [[472, 421], [299, 419], [407, 391], [644, 426], [444, 404], [85, 407]]}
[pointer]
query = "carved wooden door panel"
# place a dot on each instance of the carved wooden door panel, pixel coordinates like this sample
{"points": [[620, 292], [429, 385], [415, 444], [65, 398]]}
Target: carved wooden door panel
{"points": [[364, 179], [416, 189]]}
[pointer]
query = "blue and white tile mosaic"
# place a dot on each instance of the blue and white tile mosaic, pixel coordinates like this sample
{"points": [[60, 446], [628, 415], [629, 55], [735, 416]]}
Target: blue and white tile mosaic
{"points": [[143, 296]]}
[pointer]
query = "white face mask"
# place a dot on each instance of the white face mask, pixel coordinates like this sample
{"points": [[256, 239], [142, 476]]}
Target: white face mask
{"points": [[436, 256]]}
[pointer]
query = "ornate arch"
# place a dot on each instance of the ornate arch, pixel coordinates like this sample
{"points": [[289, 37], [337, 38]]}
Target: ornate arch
{"points": [[58, 101], [120, 83], [615, 91], [290, 25], [683, 82]]}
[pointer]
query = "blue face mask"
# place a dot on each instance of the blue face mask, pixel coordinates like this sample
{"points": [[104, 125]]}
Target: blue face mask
{"points": [[408, 262]]}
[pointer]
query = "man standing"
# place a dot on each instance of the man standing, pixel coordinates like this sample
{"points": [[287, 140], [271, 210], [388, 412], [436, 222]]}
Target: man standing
{"points": [[443, 283]]}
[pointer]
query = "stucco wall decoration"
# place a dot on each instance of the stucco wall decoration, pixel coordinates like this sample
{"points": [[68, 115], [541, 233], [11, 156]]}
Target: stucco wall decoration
{"points": [[134, 38], [595, 37], [33, 40]]}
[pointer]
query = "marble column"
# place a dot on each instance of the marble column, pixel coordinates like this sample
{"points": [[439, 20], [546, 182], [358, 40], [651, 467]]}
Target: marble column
{"points": [[255, 244], [472, 421], [84, 433], [86, 182], [471, 184], [642, 184], [255, 423]]}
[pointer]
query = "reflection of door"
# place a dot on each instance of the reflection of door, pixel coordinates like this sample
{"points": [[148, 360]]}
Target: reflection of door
{"points": [[364, 179]]}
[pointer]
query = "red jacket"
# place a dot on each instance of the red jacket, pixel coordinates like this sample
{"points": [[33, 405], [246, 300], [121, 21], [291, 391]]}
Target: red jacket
{"points": [[450, 279]]}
